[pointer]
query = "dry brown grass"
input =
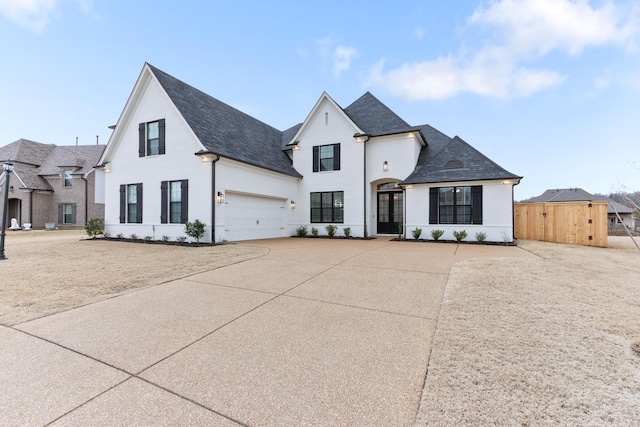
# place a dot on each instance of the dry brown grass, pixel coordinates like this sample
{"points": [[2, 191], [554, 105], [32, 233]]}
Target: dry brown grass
{"points": [[52, 271], [544, 341]]}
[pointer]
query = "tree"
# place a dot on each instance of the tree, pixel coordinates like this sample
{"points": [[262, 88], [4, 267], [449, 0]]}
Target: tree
{"points": [[195, 229]]}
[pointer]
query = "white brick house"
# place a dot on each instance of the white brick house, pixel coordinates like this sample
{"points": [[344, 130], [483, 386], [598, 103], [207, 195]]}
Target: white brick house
{"points": [[178, 154]]}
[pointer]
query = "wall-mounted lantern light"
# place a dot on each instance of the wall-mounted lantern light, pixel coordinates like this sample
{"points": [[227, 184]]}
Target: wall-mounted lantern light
{"points": [[385, 166], [220, 197], [293, 204]]}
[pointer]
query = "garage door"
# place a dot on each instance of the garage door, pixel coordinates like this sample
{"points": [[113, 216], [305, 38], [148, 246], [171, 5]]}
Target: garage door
{"points": [[253, 217]]}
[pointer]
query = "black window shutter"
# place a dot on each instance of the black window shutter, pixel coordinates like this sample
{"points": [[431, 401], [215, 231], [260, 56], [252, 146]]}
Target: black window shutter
{"points": [[336, 157], [476, 204], [123, 204], [433, 205], [161, 144], [316, 158], [164, 201], [73, 213], [139, 203], [184, 201], [60, 214], [142, 139]]}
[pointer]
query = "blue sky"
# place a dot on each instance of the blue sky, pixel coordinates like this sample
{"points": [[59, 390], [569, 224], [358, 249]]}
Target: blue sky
{"points": [[549, 89]]}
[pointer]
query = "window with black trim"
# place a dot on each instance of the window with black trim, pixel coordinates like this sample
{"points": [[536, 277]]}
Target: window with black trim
{"points": [[327, 207], [131, 203], [455, 205], [174, 205], [326, 157], [151, 138]]}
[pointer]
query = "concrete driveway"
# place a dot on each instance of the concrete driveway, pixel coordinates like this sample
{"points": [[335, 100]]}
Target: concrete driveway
{"points": [[316, 332]]}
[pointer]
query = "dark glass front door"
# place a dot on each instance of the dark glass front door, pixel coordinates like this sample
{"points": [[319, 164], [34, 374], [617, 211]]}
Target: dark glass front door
{"points": [[389, 212]]}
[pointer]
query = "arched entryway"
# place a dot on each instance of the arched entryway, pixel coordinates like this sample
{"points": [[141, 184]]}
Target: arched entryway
{"points": [[389, 208]]}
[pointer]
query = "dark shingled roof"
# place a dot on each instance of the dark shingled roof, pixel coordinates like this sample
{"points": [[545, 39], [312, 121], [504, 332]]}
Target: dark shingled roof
{"points": [[226, 131], [439, 161], [375, 118], [579, 195]]}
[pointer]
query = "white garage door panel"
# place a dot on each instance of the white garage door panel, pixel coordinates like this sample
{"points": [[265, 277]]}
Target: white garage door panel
{"points": [[253, 217]]}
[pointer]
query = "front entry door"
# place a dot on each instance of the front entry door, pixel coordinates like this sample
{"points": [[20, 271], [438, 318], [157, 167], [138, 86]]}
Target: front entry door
{"points": [[389, 212]]}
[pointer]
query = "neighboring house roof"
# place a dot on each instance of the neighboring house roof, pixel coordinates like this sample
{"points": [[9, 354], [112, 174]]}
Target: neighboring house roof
{"points": [[579, 195], [453, 160], [34, 160], [26, 151], [226, 131], [80, 158]]}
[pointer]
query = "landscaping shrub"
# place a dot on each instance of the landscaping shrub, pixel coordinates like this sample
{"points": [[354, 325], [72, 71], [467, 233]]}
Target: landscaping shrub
{"points": [[301, 231], [94, 227], [134, 236], [314, 232], [120, 236], [148, 238], [481, 236], [459, 235], [165, 239], [181, 239], [416, 233], [436, 234], [331, 230], [347, 232], [194, 229]]}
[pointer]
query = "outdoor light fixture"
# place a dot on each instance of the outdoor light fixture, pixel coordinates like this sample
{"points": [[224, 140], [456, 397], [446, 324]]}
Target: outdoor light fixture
{"points": [[385, 166], [220, 197], [293, 204], [7, 168]]}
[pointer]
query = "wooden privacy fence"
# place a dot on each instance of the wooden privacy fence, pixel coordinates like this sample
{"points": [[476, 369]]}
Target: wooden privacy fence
{"points": [[577, 223]]}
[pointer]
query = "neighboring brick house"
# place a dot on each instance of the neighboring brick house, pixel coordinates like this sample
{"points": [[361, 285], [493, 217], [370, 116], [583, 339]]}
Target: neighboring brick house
{"points": [[52, 184]]}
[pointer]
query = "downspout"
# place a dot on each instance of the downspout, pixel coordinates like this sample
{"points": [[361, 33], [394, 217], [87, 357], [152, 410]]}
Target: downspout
{"points": [[364, 179], [31, 208], [213, 198], [86, 200], [513, 211]]}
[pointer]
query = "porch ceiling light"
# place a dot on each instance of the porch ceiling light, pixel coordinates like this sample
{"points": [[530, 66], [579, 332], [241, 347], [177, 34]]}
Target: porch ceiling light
{"points": [[385, 166]]}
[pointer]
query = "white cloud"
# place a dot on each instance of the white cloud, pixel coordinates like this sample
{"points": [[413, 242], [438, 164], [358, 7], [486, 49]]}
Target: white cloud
{"points": [[535, 27], [342, 57], [35, 14], [339, 56], [419, 32], [527, 30]]}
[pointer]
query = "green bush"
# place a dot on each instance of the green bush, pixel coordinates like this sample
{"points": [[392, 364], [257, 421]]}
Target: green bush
{"points": [[94, 227], [347, 232], [194, 229], [301, 231], [416, 233], [314, 232], [481, 236], [436, 234], [331, 230], [459, 235]]}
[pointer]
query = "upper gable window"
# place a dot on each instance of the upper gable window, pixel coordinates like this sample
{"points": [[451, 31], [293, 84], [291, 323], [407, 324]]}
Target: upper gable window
{"points": [[151, 140], [326, 157], [68, 179]]}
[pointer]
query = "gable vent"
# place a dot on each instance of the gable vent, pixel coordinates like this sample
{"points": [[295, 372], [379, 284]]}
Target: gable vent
{"points": [[454, 164]]}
